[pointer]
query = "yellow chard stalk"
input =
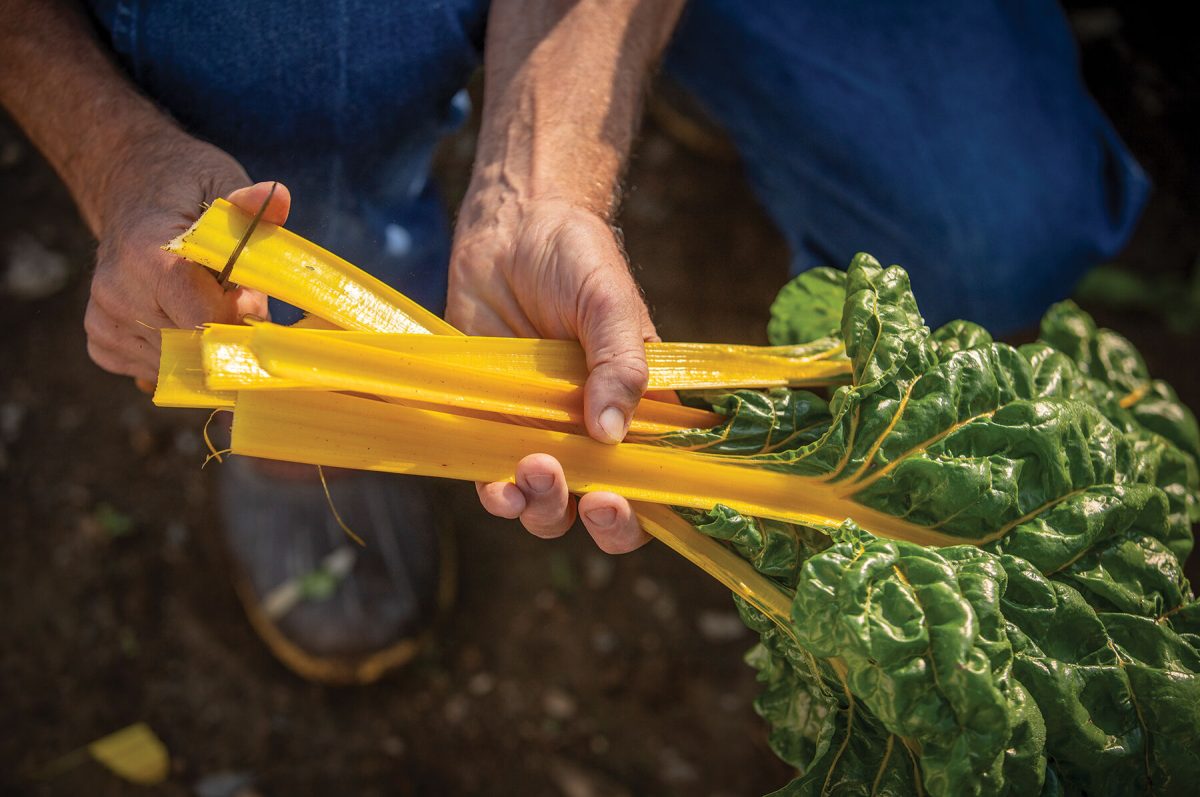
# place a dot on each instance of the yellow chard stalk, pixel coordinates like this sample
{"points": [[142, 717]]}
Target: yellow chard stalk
{"points": [[312, 424]]}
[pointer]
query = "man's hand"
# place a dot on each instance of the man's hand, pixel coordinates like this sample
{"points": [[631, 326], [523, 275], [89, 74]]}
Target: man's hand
{"points": [[138, 288], [137, 178], [548, 269], [534, 253]]}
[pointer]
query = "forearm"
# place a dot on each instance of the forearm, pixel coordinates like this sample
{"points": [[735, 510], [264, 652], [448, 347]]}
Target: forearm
{"points": [[563, 92], [74, 103]]}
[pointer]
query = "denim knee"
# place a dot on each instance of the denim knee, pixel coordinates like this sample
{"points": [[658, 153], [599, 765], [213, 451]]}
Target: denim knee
{"points": [[998, 245], [957, 140]]}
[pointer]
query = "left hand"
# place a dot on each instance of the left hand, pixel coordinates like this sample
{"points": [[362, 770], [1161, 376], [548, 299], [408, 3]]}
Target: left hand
{"points": [[547, 268]]}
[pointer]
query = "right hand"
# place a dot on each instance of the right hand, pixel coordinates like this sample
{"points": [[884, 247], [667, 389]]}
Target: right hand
{"points": [[138, 288], [551, 269]]}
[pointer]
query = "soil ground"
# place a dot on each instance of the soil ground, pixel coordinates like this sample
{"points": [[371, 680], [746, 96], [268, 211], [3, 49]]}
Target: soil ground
{"points": [[560, 671]]}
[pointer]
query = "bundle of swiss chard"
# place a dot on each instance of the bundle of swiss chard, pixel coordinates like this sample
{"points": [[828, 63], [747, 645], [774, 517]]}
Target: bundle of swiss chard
{"points": [[963, 558]]}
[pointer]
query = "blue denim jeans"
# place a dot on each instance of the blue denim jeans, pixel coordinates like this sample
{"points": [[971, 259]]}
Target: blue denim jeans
{"points": [[954, 138]]}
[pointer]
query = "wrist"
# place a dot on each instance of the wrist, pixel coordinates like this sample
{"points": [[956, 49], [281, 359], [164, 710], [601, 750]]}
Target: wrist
{"points": [[496, 202]]}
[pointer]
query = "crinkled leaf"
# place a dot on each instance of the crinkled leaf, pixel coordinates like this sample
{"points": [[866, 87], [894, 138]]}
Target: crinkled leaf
{"points": [[1119, 693], [1113, 375], [1057, 651], [808, 308], [758, 422], [861, 759], [1119, 376], [776, 549], [968, 442], [924, 645], [960, 336]]}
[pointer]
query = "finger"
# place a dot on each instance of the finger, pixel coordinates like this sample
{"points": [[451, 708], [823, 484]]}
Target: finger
{"points": [[145, 385], [251, 197], [610, 520], [147, 359], [189, 297], [105, 331], [104, 318], [115, 362], [502, 499], [549, 510], [117, 307], [247, 302], [611, 330]]}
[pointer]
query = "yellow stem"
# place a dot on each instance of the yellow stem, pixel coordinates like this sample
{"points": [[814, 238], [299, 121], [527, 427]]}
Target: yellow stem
{"points": [[181, 374], [282, 264], [317, 360], [350, 432], [672, 366]]}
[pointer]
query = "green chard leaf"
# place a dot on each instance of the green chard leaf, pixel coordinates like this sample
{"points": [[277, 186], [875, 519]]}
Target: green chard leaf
{"points": [[776, 549], [1004, 609], [808, 308], [1115, 378]]}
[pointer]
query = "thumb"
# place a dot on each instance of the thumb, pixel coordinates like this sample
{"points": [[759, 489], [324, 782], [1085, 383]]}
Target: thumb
{"points": [[251, 197], [613, 328]]}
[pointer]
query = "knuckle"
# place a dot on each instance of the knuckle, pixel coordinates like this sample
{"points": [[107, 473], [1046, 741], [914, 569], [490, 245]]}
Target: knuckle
{"points": [[547, 523], [603, 293], [106, 359], [104, 288], [98, 327], [628, 366], [627, 374], [492, 498], [91, 321]]}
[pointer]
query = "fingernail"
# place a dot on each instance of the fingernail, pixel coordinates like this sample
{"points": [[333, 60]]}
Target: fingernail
{"points": [[540, 482], [612, 421], [604, 516]]}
